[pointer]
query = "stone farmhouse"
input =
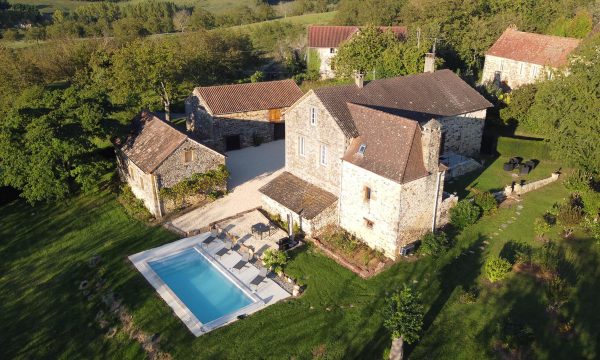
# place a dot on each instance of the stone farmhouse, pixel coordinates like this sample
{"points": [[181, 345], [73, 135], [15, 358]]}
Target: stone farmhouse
{"points": [[325, 40], [156, 155], [519, 58], [366, 156], [230, 117]]}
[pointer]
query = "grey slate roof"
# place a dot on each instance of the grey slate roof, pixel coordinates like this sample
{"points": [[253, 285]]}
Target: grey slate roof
{"points": [[419, 97], [393, 145], [298, 195]]}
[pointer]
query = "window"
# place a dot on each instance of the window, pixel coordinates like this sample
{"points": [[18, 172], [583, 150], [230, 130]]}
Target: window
{"points": [[313, 116], [301, 149], [332, 50], [534, 71], [368, 223], [362, 148], [323, 156], [131, 172], [367, 192], [521, 69], [188, 156], [142, 183], [501, 65], [549, 75]]}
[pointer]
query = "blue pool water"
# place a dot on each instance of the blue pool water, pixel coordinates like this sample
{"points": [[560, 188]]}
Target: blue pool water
{"points": [[201, 287]]}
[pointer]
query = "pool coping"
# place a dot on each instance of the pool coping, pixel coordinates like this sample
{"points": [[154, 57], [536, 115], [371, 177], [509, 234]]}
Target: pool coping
{"points": [[140, 261]]}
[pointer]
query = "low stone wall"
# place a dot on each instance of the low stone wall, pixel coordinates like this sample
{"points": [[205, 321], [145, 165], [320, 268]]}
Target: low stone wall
{"points": [[520, 189], [363, 273], [463, 168]]}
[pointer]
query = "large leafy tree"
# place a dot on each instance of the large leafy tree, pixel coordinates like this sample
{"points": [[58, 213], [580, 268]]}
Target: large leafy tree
{"points": [[46, 142], [363, 52], [147, 73], [404, 315]]}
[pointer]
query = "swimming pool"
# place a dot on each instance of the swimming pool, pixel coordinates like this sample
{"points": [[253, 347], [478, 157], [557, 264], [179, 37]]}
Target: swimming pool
{"points": [[200, 285]]}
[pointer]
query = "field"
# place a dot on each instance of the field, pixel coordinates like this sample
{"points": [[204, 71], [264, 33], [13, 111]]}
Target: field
{"points": [[215, 6], [43, 314]]}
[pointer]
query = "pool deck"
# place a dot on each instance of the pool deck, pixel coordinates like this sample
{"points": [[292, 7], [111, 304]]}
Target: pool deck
{"points": [[267, 293]]}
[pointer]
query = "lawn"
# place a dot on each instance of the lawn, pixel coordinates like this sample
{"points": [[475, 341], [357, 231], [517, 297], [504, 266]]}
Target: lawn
{"points": [[44, 250]]}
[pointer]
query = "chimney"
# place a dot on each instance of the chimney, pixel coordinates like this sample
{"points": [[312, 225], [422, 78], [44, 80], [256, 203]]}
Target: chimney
{"points": [[429, 62], [359, 79], [431, 139]]}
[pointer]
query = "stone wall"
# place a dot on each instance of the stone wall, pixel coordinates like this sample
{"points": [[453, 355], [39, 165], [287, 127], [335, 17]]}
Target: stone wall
{"points": [[417, 207], [142, 185], [383, 209], [325, 57], [518, 189], [329, 216], [448, 202], [326, 132], [273, 207], [174, 168], [512, 72], [212, 130], [462, 134]]}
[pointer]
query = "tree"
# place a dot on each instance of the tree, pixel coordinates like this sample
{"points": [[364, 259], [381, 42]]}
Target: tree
{"points": [[363, 52], [10, 35], [404, 316], [129, 29], [147, 73], [202, 19], [182, 19], [35, 33]]}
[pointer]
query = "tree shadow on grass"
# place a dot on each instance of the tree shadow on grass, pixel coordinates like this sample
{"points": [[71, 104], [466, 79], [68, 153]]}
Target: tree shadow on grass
{"points": [[462, 271]]}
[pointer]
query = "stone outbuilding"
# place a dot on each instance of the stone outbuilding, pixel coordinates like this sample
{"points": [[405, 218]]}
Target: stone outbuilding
{"points": [[325, 41], [518, 58], [230, 117], [367, 155], [156, 155]]}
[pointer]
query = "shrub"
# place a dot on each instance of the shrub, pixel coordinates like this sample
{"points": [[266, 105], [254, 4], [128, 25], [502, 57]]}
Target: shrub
{"points": [[541, 227], [517, 252], [514, 334], [134, 207], [593, 227], [570, 214], [486, 201], [496, 269], [434, 244], [469, 296], [210, 184], [464, 214], [275, 260], [548, 257]]}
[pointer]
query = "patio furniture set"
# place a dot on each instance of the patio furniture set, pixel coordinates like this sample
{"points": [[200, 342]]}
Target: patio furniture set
{"points": [[516, 163], [247, 256]]}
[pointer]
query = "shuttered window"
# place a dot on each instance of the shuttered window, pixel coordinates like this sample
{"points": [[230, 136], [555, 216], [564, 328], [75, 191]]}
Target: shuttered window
{"points": [[275, 115], [188, 156]]}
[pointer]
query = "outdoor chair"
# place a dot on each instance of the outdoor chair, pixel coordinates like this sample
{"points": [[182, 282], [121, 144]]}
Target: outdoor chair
{"points": [[208, 240], [262, 275], [240, 264], [508, 166], [525, 170], [224, 250]]}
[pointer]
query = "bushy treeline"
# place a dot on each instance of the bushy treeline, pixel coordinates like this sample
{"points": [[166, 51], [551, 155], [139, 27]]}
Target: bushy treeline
{"points": [[62, 103], [15, 14], [465, 29]]}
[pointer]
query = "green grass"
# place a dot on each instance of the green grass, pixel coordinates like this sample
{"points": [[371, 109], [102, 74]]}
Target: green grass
{"points": [[42, 315]]}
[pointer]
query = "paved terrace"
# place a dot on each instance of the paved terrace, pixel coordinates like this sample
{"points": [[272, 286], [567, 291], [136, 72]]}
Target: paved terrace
{"points": [[251, 168]]}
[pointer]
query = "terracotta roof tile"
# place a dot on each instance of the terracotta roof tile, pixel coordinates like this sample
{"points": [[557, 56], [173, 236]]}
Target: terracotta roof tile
{"points": [[418, 97], [532, 48], [151, 141], [333, 36], [298, 195], [392, 145], [227, 99]]}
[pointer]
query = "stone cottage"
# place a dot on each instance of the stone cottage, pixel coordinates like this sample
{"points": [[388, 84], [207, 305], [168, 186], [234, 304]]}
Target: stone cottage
{"points": [[366, 156], [518, 58], [229, 117], [325, 40], [156, 155]]}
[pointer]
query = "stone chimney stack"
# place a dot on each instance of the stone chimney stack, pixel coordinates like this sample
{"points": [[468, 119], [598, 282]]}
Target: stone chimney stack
{"points": [[359, 79], [431, 139], [429, 62]]}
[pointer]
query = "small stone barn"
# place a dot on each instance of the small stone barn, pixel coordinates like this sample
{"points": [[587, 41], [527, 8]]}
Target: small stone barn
{"points": [[156, 155], [230, 117], [518, 58]]}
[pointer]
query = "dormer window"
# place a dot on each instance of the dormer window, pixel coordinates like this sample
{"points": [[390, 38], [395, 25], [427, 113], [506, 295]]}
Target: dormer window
{"points": [[362, 148]]}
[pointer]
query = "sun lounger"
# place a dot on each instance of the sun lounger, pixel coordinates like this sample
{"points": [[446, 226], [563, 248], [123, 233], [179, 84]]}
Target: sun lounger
{"points": [[208, 240], [240, 264], [224, 250], [262, 275]]}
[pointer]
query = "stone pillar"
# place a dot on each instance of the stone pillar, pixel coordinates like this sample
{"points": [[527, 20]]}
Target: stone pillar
{"points": [[429, 63], [431, 138]]}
